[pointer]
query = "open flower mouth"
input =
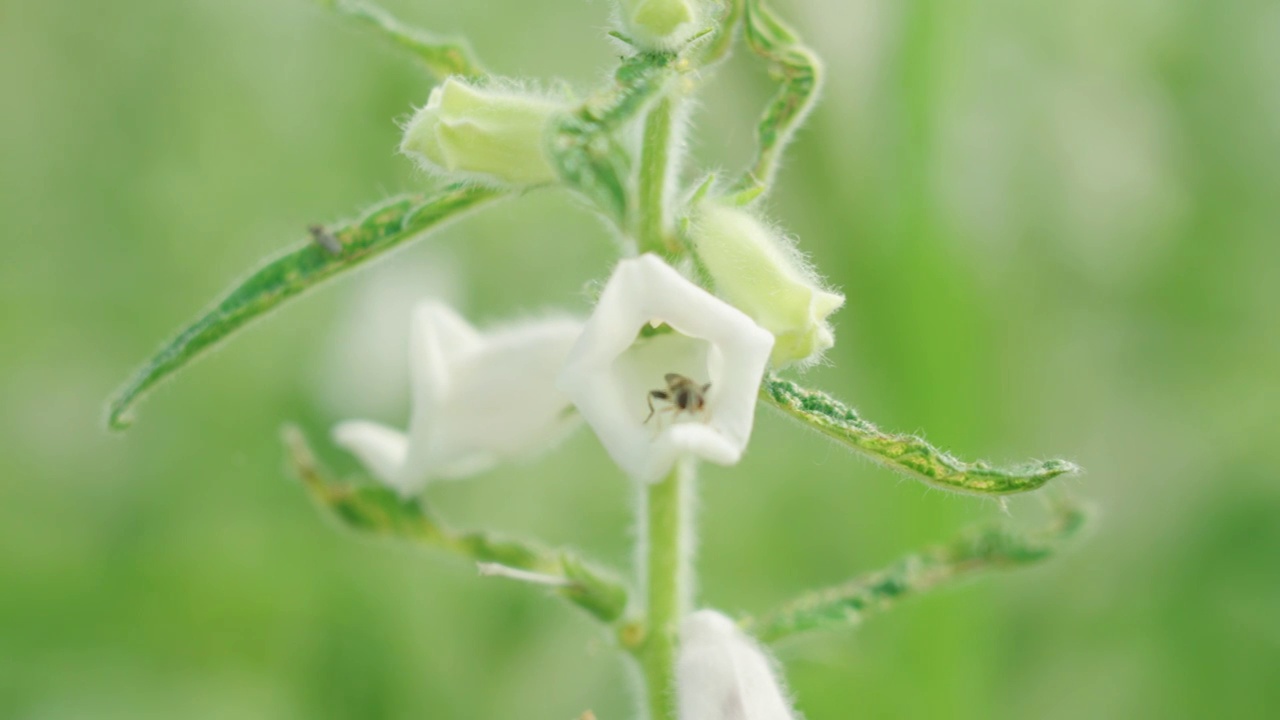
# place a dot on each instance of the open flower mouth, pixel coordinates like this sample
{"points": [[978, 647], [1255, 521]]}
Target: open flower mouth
{"points": [[675, 394], [686, 420], [612, 373]]}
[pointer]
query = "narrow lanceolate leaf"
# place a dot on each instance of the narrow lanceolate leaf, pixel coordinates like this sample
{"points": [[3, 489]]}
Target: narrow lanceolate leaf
{"points": [[799, 73], [380, 511], [441, 56], [907, 453], [585, 146], [328, 252], [973, 553]]}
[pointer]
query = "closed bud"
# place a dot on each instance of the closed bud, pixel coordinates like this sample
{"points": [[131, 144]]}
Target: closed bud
{"points": [[761, 273], [660, 24], [491, 135]]}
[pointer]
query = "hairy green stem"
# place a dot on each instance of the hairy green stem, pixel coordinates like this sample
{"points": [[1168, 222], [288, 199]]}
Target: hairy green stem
{"points": [[653, 224], [665, 503], [666, 584]]}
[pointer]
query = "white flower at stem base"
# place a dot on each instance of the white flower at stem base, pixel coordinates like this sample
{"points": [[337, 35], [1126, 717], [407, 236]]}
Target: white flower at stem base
{"points": [[611, 370], [722, 674], [757, 270], [485, 134], [478, 399]]}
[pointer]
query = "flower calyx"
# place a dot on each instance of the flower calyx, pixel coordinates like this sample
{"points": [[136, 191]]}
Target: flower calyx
{"points": [[723, 674], [760, 272]]}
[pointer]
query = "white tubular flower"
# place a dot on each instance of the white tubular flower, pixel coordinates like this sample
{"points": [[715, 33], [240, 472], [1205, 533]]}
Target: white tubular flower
{"points": [[758, 271], [708, 368], [722, 674], [478, 399]]}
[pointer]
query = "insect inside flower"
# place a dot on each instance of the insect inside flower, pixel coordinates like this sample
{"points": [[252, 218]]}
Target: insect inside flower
{"points": [[683, 394]]}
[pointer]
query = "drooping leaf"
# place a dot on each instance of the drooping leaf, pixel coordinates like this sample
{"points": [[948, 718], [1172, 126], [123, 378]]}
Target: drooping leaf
{"points": [[379, 511], [906, 453], [381, 228], [981, 550]]}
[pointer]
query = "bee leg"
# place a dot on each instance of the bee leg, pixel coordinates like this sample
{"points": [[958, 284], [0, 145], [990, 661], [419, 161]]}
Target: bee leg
{"points": [[661, 395], [668, 411]]}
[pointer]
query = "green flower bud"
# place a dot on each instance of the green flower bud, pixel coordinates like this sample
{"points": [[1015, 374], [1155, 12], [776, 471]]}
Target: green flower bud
{"points": [[761, 273], [491, 135], [660, 24]]}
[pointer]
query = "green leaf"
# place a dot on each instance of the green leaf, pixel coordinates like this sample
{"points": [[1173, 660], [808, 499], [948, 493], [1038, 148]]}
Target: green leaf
{"points": [[907, 453], [800, 77], [379, 229], [974, 552], [379, 511], [441, 56]]}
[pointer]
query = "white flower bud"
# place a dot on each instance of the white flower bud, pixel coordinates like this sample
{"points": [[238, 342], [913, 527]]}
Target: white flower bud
{"points": [[660, 24], [762, 274], [714, 354], [486, 134], [722, 674], [478, 399]]}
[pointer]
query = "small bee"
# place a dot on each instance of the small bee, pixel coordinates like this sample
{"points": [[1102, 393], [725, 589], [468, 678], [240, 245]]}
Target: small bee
{"points": [[684, 395]]}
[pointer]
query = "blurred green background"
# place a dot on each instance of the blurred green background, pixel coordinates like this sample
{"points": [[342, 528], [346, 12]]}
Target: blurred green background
{"points": [[1057, 227]]}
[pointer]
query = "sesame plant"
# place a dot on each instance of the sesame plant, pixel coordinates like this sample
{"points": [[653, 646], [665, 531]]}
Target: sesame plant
{"points": [[709, 313]]}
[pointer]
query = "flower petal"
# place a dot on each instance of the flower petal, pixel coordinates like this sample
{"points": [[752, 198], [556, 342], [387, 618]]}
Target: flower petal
{"points": [[499, 400], [478, 399]]}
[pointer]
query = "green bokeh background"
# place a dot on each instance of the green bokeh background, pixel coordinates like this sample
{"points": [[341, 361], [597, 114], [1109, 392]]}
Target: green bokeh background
{"points": [[1057, 225]]}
